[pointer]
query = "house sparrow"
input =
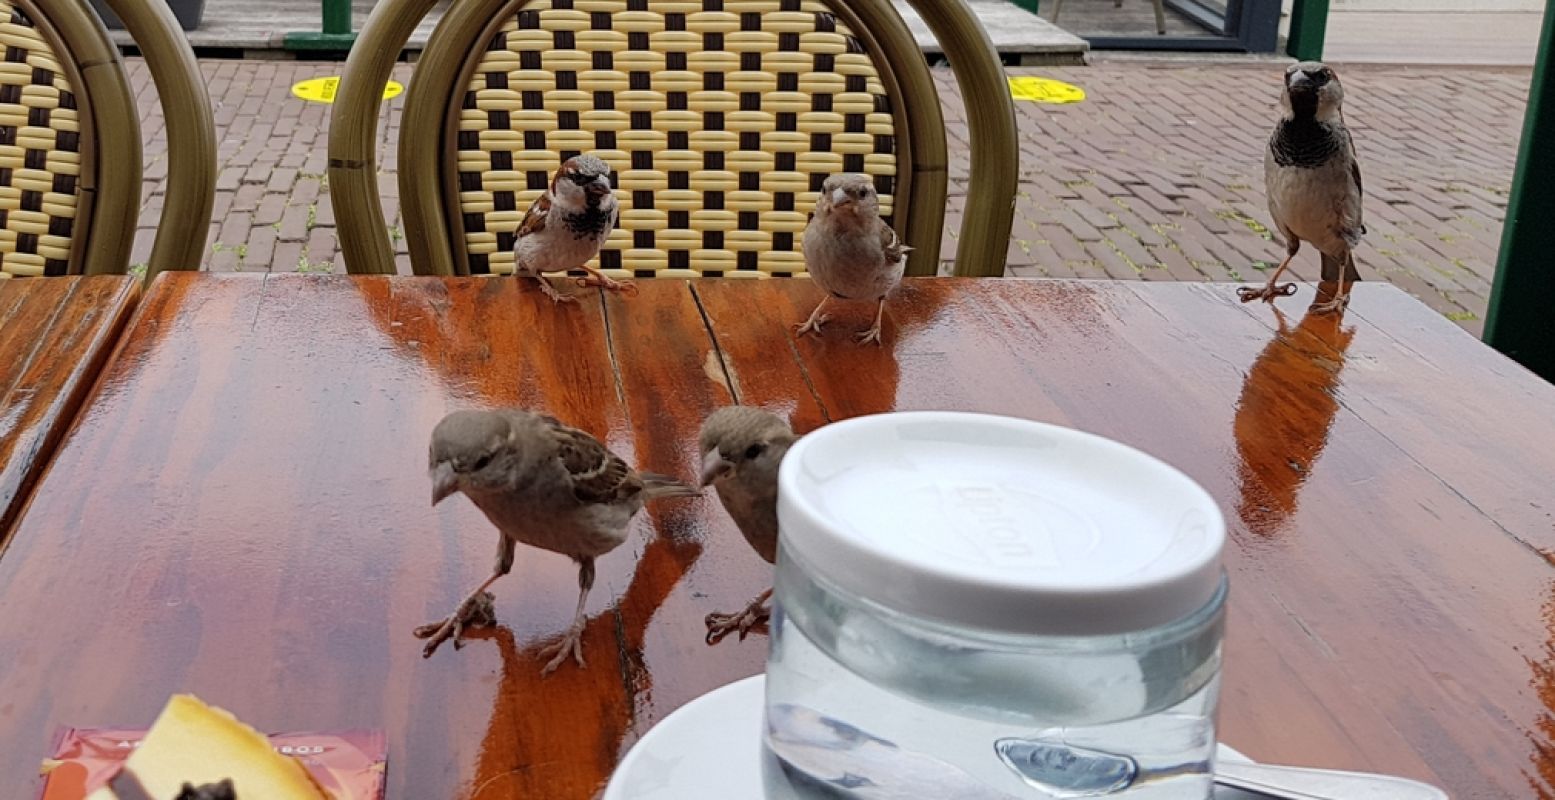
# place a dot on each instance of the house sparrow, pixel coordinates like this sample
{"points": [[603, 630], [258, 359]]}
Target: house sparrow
{"points": [[567, 225], [544, 484], [741, 449], [851, 253], [1313, 182]]}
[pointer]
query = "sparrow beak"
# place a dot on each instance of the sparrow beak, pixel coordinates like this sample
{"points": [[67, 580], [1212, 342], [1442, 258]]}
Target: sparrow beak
{"points": [[599, 188], [714, 466], [839, 197], [444, 482], [1299, 82]]}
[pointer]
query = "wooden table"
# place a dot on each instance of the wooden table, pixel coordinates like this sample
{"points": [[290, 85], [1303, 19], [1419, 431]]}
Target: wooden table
{"points": [[242, 511], [55, 335]]}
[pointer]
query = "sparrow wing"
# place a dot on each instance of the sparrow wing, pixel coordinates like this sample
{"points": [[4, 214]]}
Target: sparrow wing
{"points": [[1355, 179], [534, 219], [1355, 164], [595, 474], [893, 247]]}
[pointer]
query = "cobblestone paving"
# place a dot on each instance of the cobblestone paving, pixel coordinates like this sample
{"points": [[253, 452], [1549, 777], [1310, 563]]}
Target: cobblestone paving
{"points": [[1156, 176]]}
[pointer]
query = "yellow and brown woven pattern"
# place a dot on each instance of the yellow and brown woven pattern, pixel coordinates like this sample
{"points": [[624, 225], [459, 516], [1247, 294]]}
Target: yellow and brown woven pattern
{"points": [[720, 119], [40, 152]]}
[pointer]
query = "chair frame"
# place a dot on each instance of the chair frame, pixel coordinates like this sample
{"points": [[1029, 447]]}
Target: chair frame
{"points": [[921, 157], [111, 165], [191, 133]]}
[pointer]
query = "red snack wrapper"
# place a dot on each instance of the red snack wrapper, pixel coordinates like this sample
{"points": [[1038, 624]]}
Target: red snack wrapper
{"points": [[349, 764]]}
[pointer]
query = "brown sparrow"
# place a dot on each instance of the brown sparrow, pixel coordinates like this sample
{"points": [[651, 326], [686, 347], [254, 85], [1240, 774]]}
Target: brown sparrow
{"points": [[850, 252], [566, 226], [742, 447], [546, 485], [1313, 181]]}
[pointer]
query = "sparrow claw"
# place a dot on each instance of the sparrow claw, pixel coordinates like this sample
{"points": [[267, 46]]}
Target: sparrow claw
{"points": [[871, 335], [438, 632], [812, 325], [571, 644], [550, 291], [608, 284], [1267, 292], [477, 611], [1336, 305], [721, 625]]}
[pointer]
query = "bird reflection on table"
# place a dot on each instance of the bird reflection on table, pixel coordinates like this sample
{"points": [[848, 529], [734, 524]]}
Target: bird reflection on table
{"points": [[1285, 413], [520, 755]]}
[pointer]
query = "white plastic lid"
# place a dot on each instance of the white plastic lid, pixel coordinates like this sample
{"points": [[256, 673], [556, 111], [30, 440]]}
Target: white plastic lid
{"points": [[1000, 524]]}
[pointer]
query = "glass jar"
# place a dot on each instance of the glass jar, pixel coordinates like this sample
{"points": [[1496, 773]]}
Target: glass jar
{"points": [[970, 606]]}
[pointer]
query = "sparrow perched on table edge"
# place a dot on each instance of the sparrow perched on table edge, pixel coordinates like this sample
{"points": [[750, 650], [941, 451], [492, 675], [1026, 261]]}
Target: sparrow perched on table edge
{"points": [[1313, 181], [567, 225], [849, 250]]}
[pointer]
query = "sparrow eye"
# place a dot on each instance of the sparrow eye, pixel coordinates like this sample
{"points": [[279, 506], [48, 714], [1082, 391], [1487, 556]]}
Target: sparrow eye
{"points": [[755, 450], [480, 463]]}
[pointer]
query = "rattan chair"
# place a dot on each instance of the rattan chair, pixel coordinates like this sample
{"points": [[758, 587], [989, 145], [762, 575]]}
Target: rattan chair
{"points": [[720, 119], [70, 154]]}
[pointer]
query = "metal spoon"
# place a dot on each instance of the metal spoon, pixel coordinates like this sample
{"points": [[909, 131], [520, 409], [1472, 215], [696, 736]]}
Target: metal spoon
{"points": [[1303, 783], [1069, 771], [849, 762]]}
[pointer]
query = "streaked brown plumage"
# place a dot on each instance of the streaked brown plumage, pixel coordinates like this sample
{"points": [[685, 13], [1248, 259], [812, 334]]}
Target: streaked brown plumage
{"points": [[742, 448], [1313, 181], [541, 483], [849, 250]]}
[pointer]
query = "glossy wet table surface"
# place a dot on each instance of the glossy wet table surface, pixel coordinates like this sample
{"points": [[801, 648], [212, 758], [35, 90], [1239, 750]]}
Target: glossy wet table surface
{"points": [[242, 511], [55, 335]]}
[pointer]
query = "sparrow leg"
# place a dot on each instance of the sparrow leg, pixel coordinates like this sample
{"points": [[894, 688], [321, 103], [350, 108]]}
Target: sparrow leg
{"points": [[873, 334], [475, 610], [721, 625], [572, 641], [1269, 291], [550, 291], [1341, 296], [603, 281], [816, 320]]}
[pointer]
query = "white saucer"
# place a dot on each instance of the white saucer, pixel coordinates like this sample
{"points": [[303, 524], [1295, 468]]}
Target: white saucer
{"points": [[710, 749]]}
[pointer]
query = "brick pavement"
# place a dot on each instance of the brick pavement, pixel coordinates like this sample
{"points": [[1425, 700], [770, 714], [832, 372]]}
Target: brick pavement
{"points": [[1157, 176]]}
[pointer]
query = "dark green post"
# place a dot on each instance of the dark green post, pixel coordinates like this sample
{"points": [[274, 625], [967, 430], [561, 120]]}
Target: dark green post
{"points": [[1520, 323], [337, 16], [1308, 26], [335, 36]]}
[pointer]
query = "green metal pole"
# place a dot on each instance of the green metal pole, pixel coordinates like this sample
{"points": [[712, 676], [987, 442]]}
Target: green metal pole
{"points": [[1308, 27], [1521, 323], [336, 35], [337, 16]]}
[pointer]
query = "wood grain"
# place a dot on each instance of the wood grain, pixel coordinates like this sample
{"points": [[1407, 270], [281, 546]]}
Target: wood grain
{"points": [[242, 511], [55, 335]]}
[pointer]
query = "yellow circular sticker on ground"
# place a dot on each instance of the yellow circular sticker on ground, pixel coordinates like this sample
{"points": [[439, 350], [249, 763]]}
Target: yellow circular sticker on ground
{"points": [[1045, 90], [322, 90]]}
